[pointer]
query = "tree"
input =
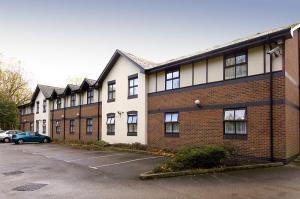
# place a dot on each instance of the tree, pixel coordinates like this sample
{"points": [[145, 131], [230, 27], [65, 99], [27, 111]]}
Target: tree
{"points": [[13, 85], [8, 114], [76, 80]]}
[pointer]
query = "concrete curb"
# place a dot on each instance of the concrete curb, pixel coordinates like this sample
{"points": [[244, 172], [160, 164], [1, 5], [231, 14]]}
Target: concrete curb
{"points": [[149, 175]]}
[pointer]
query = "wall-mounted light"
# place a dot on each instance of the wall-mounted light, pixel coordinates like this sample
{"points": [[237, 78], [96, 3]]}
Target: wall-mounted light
{"points": [[197, 102], [77, 114], [62, 116], [25, 120]]}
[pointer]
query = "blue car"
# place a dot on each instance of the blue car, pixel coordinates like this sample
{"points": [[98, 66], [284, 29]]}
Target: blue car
{"points": [[20, 138]]}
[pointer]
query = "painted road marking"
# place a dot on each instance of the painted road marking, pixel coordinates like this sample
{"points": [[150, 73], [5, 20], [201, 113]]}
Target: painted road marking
{"points": [[94, 157], [128, 161]]}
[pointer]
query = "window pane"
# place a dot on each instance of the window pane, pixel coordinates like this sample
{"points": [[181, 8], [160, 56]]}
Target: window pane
{"points": [[241, 71], [135, 82], [175, 74], [129, 119], [175, 127], [168, 117], [134, 119], [112, 120], [169, 75], [134, 128], [135, 90], [131, 82], [175, 117], [230, 61], [241, 128], [169, 84], [229, 115], [113, 95], [175, 83], [240, 114], [229, 127], [130, 128], [230, 73], [168, 127], [241, 59], [131, 91]]}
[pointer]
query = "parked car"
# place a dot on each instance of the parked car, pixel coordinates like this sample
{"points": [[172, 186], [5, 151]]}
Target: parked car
{"points": [[6, 136], [20, 138]]}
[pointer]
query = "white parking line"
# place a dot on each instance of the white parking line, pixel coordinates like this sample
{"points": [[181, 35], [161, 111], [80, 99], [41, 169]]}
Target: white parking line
{"points": [[128, 161], [94, 157]]}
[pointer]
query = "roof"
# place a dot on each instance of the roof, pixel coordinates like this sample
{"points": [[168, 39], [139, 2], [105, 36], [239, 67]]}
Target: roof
{"points": [[138, 60], [46, 91], [89, 82]]}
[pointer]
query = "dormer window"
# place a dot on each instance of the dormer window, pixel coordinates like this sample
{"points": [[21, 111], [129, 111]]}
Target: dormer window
{"points": [[37, 107], [58, 103], [73, 100], [90, 96]]}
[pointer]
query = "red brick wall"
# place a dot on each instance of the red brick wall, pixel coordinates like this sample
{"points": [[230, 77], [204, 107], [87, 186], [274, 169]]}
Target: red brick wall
{"points": [[204, 125], [292, 95], [25, 121], [80, 117]]}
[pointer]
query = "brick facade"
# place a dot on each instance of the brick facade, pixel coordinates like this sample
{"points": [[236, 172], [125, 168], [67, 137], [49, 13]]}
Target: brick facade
{"points": [[25, 121], [77, 113]]}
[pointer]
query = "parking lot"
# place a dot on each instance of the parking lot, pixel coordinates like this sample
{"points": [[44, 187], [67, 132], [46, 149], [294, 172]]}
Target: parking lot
{"points": [[56, 171]]}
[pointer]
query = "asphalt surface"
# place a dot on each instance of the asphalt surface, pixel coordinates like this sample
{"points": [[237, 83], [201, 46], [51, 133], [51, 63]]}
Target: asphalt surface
{"points": [[55, 171]]}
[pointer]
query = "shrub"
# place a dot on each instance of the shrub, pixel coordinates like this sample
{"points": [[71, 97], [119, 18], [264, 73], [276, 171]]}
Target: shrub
{"points": [[195, 157]]}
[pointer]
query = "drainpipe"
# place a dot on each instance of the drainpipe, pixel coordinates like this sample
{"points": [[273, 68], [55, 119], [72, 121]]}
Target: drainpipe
{"points": [[98, 115], [64, 118], [52, 118], [271, 108], [79, 115], [299, 87]]}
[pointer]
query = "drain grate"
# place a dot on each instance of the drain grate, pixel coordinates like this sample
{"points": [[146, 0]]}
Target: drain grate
{"points": [[12, 173], [29, 187]]}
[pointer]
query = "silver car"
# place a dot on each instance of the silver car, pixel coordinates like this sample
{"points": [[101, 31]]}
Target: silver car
{"points": [[6, 136]]}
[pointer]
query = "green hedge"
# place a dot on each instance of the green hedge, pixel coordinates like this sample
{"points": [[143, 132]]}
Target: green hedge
{"points": [[208, 156]]}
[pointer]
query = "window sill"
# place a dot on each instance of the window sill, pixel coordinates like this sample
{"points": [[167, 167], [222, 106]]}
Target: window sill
{"points": [[235, 136], [111, 100], [132, 96], [132, 134], [171, 134], [110, 133]]}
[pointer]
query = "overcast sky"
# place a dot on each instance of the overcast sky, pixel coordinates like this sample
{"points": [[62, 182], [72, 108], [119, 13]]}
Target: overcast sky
{"points": [[58, 39]]}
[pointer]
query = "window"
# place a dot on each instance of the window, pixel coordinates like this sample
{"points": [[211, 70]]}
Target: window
{"points": [[172, 80], [110, 123], [235, 122], [37, 107], [73, 100], [235, 66], [44, 106], [72, 126], [171, 124], [31, 127], [90, 96], [57, 127], [44, 126], [58, 103], [31, 109], [89, 126], [132, 124], [133, 86], [111, 91], [37, 126]]}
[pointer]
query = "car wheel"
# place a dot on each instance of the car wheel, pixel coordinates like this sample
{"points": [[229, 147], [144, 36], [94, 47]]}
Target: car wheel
{"points": [[20, 141], [6, 140], [45, 140]]}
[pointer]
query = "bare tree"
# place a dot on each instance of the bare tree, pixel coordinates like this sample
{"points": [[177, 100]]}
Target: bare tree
{"points": [[13, 84], [76, 80]]}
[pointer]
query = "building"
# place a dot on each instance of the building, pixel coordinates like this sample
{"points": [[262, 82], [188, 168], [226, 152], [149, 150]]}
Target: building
{"points": [[35, 116], [243, 94]]}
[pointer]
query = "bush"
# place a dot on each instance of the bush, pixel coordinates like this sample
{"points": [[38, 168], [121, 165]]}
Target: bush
{"points": [[195, 157]]}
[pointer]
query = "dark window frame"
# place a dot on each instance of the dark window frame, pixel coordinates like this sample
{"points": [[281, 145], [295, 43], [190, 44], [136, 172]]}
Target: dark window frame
{"points": [[72, 126], [73, 100], [235, 135], [90, 96], [113, 125], [132, 78], [172, 79], [244, 52], [58, 102], [130, 114], [44, 126], [44, 106], [31, 126], [112, 92], [89, 126], [37, 107], [37, 125], [171, 134], [57, 127]]}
